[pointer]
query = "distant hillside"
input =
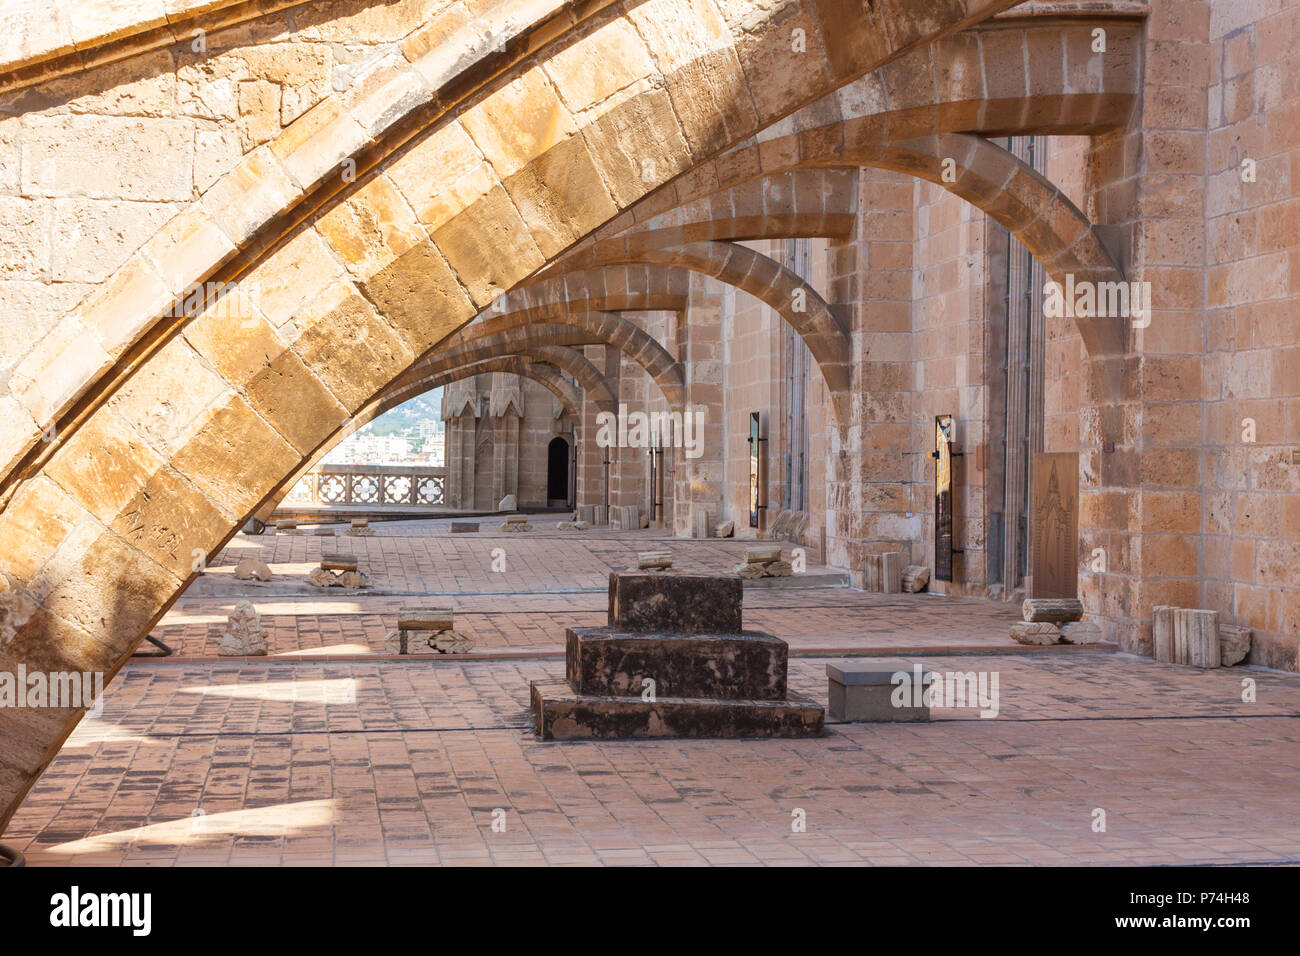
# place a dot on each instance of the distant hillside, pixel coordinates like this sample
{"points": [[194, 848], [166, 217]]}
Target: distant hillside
{"points": [[408, 415]]}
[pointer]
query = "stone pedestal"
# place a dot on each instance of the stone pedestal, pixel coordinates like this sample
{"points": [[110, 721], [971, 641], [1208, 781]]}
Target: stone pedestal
{"points": [[672, 661]]}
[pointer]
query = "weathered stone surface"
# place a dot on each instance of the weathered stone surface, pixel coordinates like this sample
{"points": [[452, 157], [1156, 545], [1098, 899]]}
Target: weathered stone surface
{"points": [[606, 662], [725, 530], [358, 523], [320, 578], [338, 562], [561, 714], [464, 527], [778, 569], [353, 579], [762, 553], [648, 560], [1081, 632], [1234, 644], [674, 604], [749, 571], [243, 635], [916, 578], [865, 692], [1052, 610], [1196, 637], [509, 525], [1162, 633], [508, 503], [1035, 632], [251, 569], [425, 618]]}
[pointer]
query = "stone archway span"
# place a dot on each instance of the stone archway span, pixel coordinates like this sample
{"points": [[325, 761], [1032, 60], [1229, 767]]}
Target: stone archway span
{"points": [[547, 369], [425, 109], [513, 333], [776, 286], [102, 522]]}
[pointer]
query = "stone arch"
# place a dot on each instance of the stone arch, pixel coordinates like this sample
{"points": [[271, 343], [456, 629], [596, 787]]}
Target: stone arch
{"points": [[513, 331], [102, 520], [544, 370], [797, 203], [778, 287], [938, 103]]}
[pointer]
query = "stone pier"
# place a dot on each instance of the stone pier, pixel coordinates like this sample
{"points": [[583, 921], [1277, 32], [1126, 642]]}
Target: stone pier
{"points": [[672, 661]]}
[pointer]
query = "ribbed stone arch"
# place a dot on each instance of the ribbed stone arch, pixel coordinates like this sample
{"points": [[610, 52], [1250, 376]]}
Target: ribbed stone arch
{"points": [[513, 332], [778, 287], [103, 519], [547, 343], [540, 371], [797, 203]]}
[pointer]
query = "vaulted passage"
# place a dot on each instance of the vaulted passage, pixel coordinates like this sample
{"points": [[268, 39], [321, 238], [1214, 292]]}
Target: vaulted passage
{"points": [[976, 285]]}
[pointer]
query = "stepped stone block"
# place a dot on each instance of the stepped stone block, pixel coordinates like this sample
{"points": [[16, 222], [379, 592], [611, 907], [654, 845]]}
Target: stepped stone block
{"points": [[674, 604], [561, 714], [610, 663], [672, 662]]}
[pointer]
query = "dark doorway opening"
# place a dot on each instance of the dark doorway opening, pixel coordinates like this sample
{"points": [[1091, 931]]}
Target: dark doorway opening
{"points": [[557, 470]]}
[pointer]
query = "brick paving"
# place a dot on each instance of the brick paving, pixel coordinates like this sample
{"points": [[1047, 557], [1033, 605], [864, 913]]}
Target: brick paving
{"points": [[380, 762], [296, 759]]}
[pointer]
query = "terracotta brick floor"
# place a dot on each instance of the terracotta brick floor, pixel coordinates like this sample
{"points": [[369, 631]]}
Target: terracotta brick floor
{"points": [[405, 763], [294, 760]]}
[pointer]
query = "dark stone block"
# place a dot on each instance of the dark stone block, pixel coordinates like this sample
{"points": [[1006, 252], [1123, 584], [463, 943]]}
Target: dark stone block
{"points": [[560, 714], [464, 527], [613, 663], [666, 603]]}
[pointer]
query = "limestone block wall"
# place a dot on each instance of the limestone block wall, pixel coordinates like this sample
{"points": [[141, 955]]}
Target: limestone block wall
{"points": [[1250, 371]]}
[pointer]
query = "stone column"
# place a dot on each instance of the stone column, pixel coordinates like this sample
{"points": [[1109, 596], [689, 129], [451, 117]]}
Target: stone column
{"points": [[700, 481]]}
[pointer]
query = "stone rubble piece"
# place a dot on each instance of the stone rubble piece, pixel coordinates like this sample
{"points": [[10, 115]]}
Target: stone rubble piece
{"points": [[764, 561], [427, 628], [464, 527], [884, 572], [516, 522], [654, 560], [1052, 610], [354, 580], [1035, 632], [1196, 637], [320, 578], [251, 569], [243, 635], [915, 578], [338, 562], [508, 503], [1234, 644], [725, 530], [1081, 632], [324, 532]]}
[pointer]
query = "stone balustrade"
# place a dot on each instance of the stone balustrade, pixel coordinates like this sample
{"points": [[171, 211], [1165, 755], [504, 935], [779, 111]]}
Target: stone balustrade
{"points": [[371, 485]]}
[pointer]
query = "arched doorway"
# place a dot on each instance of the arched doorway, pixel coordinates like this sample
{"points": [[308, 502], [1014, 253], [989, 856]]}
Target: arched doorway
{"points": [[557, 472]]}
